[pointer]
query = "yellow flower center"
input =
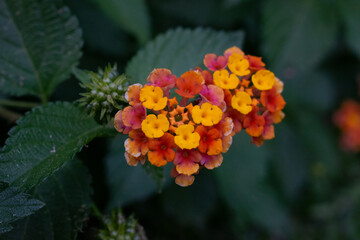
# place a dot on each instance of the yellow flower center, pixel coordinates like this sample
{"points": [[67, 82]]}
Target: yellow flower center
{"points": [[207, 114], [223, 80], [263, 80], [242, 102], [186, 138], [152, 98], [238, 64], [154, 127]]}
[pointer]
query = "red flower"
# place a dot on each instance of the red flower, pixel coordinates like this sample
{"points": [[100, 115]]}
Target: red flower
{"points": [[255, 63], [161, 150], [254, 123], [272, 100], [210, 141], [187, 161], [189, 84]]}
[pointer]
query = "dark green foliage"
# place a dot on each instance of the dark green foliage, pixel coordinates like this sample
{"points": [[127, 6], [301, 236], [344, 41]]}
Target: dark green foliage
{"points": [[180, 50], [43, 141], [15, 205], [40, 43], [67, 197]]}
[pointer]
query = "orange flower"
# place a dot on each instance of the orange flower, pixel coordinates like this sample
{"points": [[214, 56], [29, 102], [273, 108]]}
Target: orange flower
{"points": [[137, 144], [272, 100], [187, 161], [134, 161], [119, 124], [254, 123], [161, 150], [211, 161], [255, 63], [210, 141], [132, 95], [189, 84], [181, 179], [178, 116], [225, 126]]}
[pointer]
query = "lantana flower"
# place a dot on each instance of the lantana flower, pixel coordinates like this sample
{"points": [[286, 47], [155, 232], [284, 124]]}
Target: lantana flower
{"points": [[236, 92]]}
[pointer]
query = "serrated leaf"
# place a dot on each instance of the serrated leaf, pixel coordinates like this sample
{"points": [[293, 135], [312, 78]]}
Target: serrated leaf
{"points": [[126, 184], [15, 205], [43, 140], [132, 15], [297, 34], [180, 50], [67, 198], [350, 10], [40, 44], [241, 182]]}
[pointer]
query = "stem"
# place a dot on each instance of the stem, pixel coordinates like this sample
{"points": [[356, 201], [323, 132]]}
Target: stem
{"points": [[9, 115], [96, 211], [18, 104]]}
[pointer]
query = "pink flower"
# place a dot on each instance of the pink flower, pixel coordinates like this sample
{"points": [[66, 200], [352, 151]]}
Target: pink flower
{"points": [[119, 124], [133, 116], [187, 161], [212, 94], [214, 63], [162, 77], [211, 162]]}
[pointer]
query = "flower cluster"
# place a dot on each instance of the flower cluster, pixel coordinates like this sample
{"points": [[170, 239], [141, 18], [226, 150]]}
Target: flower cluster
{"points": [[235, 93], [347, 118]]}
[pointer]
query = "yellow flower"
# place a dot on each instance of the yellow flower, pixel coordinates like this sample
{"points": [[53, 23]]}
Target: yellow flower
{"points": [[186, 138], [242, 102], [154, 127], [152, 98], [263, 80], [207, 115], [222, 79], [238, 64]]}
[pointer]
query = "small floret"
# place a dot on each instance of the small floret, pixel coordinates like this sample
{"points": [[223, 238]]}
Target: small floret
{"points": [[263, 80], [207, 114], [189, 84], [186, 138], [154, 127], [238, 64], [242, 102], [153, 98], [224, 80]]}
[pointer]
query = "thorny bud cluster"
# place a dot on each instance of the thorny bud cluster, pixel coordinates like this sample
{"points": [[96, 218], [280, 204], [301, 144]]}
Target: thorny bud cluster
{"points": [[104, 93], [117, 227]]}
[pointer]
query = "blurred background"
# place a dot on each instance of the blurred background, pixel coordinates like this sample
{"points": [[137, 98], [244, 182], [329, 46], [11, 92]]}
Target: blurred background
{"points": [[300, 185]]}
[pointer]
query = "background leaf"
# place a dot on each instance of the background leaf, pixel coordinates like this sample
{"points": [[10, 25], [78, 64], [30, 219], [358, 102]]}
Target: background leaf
{"points": [[43, 141], [241, 180], [180, 50], [67, 198], [15, 205], [297, 34], [126, 184], [40, 43], [132, 15], [350, 10]]}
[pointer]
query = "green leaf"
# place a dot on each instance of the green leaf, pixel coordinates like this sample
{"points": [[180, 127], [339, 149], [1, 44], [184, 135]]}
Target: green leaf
{"points": [[132, 15], [350, 10], [126, 184], [297, 34], [15, 205], [180, 50], [67, 198], [241, 182], [43, 141], [40, 43]]}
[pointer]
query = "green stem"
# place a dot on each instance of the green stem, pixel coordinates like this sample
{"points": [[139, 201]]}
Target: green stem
{"points": [[96, 211], [18, 104], [9, 115]]}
